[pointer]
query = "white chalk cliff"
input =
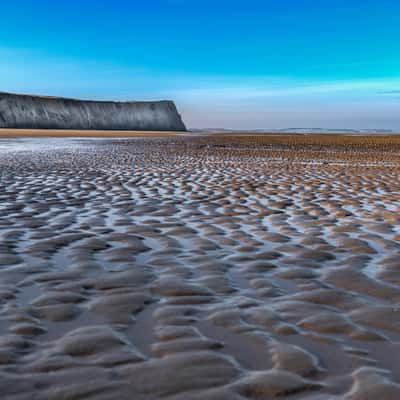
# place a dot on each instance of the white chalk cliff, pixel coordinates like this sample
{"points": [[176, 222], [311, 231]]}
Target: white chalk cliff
{"points": [[40, 112]]}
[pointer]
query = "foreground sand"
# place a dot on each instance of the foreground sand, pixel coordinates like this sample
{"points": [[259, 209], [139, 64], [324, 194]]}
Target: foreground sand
{"points": [[234, 267]]}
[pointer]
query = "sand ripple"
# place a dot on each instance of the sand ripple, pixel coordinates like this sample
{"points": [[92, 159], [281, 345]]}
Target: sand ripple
{"points": [[199, 268]]}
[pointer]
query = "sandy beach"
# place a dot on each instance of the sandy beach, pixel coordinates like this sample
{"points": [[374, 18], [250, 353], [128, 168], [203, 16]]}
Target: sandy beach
{"points": [[179, 267], [4, 133]]}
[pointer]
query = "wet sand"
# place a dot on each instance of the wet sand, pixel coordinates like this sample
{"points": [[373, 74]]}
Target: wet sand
{"points": [[82, 133], [207, 267]]}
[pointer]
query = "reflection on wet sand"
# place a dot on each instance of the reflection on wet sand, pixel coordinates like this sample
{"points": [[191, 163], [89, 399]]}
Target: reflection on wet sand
{"points": [[233, 267]]}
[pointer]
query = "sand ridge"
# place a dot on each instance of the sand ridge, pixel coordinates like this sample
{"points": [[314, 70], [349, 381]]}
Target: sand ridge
{"points": [[217, 267]]}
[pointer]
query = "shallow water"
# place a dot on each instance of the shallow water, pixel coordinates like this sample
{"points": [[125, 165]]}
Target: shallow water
{"points": [[32, 144], [219, 272]]}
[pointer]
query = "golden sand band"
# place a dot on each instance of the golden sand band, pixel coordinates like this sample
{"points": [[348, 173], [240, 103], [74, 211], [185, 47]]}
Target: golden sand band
{"points": [[81, 133]]}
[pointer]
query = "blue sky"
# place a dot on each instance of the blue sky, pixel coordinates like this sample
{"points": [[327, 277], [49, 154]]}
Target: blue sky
{"points": [[233, 64]]}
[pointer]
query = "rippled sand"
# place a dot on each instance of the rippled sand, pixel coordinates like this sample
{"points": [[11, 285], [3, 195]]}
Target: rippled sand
{"points": [[239, 267]]}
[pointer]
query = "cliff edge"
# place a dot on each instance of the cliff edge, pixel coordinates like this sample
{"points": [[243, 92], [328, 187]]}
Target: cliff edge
{"points": [[41, 112]]}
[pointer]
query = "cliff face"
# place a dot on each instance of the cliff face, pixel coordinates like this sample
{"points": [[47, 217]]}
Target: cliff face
{"points": [[36, 112]]}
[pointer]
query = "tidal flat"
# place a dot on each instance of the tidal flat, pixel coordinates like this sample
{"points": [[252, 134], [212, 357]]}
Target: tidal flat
{"points": [[218, 267]]}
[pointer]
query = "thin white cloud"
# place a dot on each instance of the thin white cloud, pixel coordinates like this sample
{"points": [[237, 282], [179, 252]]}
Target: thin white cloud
{"points": [[274, 88]]}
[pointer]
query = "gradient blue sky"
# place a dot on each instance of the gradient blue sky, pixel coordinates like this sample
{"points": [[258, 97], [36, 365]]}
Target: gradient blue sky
{"points": [[227, 63]]}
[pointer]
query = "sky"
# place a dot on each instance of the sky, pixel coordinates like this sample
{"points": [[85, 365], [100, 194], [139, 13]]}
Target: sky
{"points": [[239, 64]]}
